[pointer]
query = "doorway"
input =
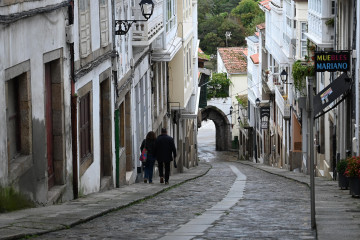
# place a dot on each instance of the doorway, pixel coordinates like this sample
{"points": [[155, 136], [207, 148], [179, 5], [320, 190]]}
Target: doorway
{"points": [[54, 122], [105, 128]]}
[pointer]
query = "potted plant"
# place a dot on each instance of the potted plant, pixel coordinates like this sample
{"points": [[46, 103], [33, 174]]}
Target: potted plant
{"points": [[353, 173], [342, 179]]}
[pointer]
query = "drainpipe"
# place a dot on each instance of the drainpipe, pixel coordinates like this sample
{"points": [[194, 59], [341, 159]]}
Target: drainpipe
{"points": [[116, 113], [357, 77], [73, 107], [117, 146]]}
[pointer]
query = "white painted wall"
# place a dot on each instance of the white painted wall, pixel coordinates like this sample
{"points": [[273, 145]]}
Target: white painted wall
{"points": [[139, 113], [90, 180], [19, 42]]}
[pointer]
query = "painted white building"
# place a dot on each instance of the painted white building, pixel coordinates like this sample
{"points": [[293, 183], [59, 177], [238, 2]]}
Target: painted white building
{"points": [[35, 88], [93, 91], [285, 42], [183, 86], [331, 28], [233, 62], [151, 48], [77, 103]]}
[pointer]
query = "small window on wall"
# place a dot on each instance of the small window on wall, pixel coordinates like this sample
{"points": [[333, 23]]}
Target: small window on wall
{"points": [[104, 23], [170, 14], [84, 27], [122, 125], [18, 116], [13, 118], [85, 128], [303, 40]]}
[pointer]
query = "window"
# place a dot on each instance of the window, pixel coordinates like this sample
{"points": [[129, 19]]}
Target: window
{"points": [[164, 77], [288, 21], [85, 128], [303, 49], [155, 88], [122, 125], [13, 117], [333, 9], [104, 22], [170, 15], [18, 116], [85, 29], [160, 87]]}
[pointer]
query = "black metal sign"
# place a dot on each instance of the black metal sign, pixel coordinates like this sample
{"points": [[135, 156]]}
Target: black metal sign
{"points": [[331, 92], [264, 116], [264, 111], [338, 61]]}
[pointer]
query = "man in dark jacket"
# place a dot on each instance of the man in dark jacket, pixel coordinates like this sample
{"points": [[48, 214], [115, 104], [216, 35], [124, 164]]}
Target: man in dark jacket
{"points": [[165, 150]]}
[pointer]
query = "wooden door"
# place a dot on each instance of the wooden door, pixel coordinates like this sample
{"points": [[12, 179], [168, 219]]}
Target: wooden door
{"points": [[49, 126]]}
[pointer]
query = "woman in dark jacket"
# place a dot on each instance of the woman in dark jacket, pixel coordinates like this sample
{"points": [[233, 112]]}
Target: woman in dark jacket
{"points": [[149, 144]]}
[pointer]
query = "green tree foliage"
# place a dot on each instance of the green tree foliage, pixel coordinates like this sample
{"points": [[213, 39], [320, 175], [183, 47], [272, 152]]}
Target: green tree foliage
{"points": [[249, 14], [212, 33], [216, 17], [212, 42], [218, 86]]}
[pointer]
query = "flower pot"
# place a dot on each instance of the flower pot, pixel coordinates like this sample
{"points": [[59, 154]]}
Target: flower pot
{"points": [[354, 184], [343, 181]]}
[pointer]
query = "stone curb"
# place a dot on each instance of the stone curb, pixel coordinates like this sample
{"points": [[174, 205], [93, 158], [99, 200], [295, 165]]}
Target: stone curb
{"points": [[41, 220]]}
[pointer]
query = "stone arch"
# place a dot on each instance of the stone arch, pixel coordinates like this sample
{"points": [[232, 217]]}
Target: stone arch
{"points": [[222, 125]]}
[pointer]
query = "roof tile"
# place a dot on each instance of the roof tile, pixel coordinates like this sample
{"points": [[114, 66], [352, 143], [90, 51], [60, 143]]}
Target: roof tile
{"points": [[234, 59]]}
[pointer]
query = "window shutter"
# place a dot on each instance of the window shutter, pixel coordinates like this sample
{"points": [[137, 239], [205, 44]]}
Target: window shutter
{"points": [[104, 28], [85, 30]]}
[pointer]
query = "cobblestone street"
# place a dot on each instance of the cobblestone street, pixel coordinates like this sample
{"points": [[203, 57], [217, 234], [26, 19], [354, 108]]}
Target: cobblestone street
{"points": [[271, 207]]}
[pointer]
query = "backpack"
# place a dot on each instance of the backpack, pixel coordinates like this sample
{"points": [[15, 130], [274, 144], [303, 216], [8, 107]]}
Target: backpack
{"points": [[143, 155]]}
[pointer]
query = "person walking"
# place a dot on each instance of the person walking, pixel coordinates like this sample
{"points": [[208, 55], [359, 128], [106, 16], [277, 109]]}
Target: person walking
{"points": [[165, 151], [149, 144]]}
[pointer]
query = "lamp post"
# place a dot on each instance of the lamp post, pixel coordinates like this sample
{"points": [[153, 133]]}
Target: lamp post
{"points": [[239, 134], [123, 26], [257, 104], [311, 149], [284, 77]]}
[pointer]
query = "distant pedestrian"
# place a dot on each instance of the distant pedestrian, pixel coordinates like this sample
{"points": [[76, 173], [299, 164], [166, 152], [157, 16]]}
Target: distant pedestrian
{"points": [[149, 144], [165, 151]]}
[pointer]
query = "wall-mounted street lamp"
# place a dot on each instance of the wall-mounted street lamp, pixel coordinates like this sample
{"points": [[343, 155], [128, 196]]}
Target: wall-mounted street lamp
{"points": [[122, 26], [257, 102], [284, 77], [231, 109]]}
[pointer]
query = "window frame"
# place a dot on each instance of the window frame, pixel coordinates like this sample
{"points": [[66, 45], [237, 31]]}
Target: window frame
{"points": [[85, 160]]}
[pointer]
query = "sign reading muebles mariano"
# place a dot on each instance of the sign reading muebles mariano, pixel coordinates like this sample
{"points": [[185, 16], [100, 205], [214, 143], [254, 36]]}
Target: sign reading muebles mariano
{"points": [[338, 61]]}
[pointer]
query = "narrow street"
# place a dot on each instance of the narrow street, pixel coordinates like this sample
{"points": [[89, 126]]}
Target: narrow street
{"points": [[232, 201]]}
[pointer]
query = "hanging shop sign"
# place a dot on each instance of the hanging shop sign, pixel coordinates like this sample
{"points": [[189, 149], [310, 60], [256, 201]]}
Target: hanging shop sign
{"points": [[338, 61], [331, 92], [265, 115]]}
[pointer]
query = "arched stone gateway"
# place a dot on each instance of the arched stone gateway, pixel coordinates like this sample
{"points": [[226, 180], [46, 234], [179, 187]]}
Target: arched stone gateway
{"points": [[222, 125]]}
